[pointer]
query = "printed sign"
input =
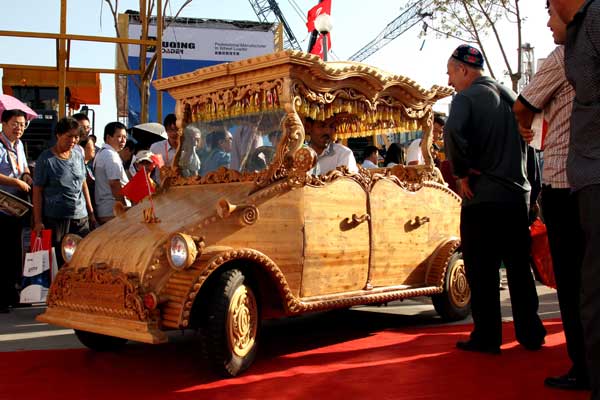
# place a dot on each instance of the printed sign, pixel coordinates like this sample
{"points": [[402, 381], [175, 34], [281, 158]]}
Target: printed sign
{"points": [[204, 44]]}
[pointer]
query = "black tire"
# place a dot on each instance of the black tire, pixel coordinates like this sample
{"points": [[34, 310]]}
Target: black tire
{"points": [[232, 324], [454, 303], [98, 342]]}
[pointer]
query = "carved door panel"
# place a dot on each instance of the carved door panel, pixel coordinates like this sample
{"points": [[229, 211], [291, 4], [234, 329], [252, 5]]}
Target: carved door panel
{"points": [[336, 248], [402, 239]]}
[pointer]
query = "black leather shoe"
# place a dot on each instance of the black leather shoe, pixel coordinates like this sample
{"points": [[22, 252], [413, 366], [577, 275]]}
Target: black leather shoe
{"points": [[534, 346], [471, 345], [567, 382]]}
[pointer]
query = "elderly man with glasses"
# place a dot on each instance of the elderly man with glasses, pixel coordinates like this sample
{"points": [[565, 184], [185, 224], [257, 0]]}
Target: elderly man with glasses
{"points": [[15, 179]]}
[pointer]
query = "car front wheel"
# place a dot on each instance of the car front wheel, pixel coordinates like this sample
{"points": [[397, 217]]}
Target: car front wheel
{"points": [[232, 324], [454, 303]]}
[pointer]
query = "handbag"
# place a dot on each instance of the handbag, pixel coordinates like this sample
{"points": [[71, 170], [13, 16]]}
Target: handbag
{"points": [[37, 260], [540, 254], [37, 268]]}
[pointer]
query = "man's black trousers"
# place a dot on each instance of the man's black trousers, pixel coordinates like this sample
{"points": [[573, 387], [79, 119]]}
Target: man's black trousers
{"points": [[492, 233], [560, 212], [588, 200]]}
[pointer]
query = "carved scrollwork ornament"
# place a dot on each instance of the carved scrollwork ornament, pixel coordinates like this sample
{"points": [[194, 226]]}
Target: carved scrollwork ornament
{"points": [[71, 290], [293, 139], [249, 215]]}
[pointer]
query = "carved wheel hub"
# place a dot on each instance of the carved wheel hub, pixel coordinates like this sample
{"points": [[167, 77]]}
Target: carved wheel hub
{"points": [[459, 290], [242, 321]]}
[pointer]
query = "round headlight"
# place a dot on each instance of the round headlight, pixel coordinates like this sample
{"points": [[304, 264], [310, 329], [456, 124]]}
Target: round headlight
{"points": [[69, 245], [182, 251]]}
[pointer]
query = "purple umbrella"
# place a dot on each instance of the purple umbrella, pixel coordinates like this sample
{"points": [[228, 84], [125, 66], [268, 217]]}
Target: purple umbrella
{"points": [[12, 103]]}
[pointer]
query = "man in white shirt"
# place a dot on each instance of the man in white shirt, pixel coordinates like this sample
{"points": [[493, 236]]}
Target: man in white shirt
{"points": [[330, 155], [168, 148], [414, 155], [110, 173], [371, 153]]}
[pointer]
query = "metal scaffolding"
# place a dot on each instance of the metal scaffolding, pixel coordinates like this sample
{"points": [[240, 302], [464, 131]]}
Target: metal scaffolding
{"points": [[264, 10]]}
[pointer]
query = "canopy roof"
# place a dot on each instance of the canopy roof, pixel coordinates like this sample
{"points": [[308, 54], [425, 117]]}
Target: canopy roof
{"points": [[360, 100]]}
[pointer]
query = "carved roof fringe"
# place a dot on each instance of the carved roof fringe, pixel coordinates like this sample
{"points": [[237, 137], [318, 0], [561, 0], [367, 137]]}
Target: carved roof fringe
{"points": [[363, 100]]}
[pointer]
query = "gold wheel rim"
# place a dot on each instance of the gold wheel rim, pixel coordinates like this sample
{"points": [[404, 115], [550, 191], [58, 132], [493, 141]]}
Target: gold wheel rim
{"points": [[460, 292], [242, 321]]}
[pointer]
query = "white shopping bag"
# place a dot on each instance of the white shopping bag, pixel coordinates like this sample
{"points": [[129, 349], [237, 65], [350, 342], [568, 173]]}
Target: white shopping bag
{"points": [[37, 261], [54, 265], [33, 294], [540, 128], [36, 272]]}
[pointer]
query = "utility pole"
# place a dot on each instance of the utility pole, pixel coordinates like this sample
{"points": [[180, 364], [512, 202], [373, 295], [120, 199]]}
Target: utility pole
{"points": [[527, 65]]}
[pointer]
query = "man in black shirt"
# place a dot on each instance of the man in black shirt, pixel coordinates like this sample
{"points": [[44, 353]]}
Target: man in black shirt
{"points": [[488, 156]]}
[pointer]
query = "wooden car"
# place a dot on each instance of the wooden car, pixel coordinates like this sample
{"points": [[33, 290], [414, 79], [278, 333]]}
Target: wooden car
{"points": [[221, 250]]}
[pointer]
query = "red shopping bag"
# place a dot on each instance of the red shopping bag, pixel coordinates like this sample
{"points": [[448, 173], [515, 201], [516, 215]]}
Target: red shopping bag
{"points": [[46, 238], [540, 253]]}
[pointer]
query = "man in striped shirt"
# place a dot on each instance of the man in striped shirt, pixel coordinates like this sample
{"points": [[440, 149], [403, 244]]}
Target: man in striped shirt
{"points": [[582, 67], [550, 92]]}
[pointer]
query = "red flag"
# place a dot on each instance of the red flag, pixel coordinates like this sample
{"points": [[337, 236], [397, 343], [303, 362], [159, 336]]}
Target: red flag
{"points": [[139, 186], [313, 13], [158, 161], [318, 46]]}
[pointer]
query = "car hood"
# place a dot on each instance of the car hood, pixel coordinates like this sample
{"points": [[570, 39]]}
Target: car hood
{"points": [[129, 244]]}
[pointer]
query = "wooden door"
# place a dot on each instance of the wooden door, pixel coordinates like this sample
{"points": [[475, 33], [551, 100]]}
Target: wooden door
{"points": [[336, 249], [402, 237]]}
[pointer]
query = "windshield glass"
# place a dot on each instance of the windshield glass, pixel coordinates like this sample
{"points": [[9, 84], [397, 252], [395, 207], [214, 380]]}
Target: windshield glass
{"points": [[244, 144]]}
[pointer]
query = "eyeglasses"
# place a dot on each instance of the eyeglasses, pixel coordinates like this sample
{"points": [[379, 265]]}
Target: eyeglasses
{"points": [[15, 125], [85, 128]]}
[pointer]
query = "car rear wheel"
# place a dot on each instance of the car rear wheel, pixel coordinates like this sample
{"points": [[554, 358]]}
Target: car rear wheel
{"points": [[232, 324], [454, 303], [99, 342]]}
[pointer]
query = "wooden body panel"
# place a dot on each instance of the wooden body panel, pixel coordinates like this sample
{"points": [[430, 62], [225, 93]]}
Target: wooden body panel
{"points": [[336, 253], [277, 232], [402, 244]]}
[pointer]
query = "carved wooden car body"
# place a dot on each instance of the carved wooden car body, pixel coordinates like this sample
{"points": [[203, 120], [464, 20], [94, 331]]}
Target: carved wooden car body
{"points": [[231, 248]]}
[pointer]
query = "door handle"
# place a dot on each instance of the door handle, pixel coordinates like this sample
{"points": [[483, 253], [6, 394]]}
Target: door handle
{"points": [[421, 220], [354, 221], [359, 220], [411, 225]]}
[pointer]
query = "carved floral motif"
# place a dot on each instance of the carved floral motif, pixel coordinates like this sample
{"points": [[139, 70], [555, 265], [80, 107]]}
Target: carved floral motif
{"points": [[99, 290]]}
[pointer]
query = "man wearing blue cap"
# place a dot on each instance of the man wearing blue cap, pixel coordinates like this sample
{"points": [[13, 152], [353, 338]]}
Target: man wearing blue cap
{"points": [[488, 157]]}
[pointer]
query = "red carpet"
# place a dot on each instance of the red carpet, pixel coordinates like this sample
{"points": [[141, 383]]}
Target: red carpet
{"points": [[299, 361]]}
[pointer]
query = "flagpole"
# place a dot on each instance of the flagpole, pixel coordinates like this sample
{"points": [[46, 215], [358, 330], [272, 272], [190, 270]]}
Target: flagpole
{"points": [[313, 36], [149, 189]]}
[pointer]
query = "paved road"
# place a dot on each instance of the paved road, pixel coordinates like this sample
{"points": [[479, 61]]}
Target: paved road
{"points": [[20, 331]]}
